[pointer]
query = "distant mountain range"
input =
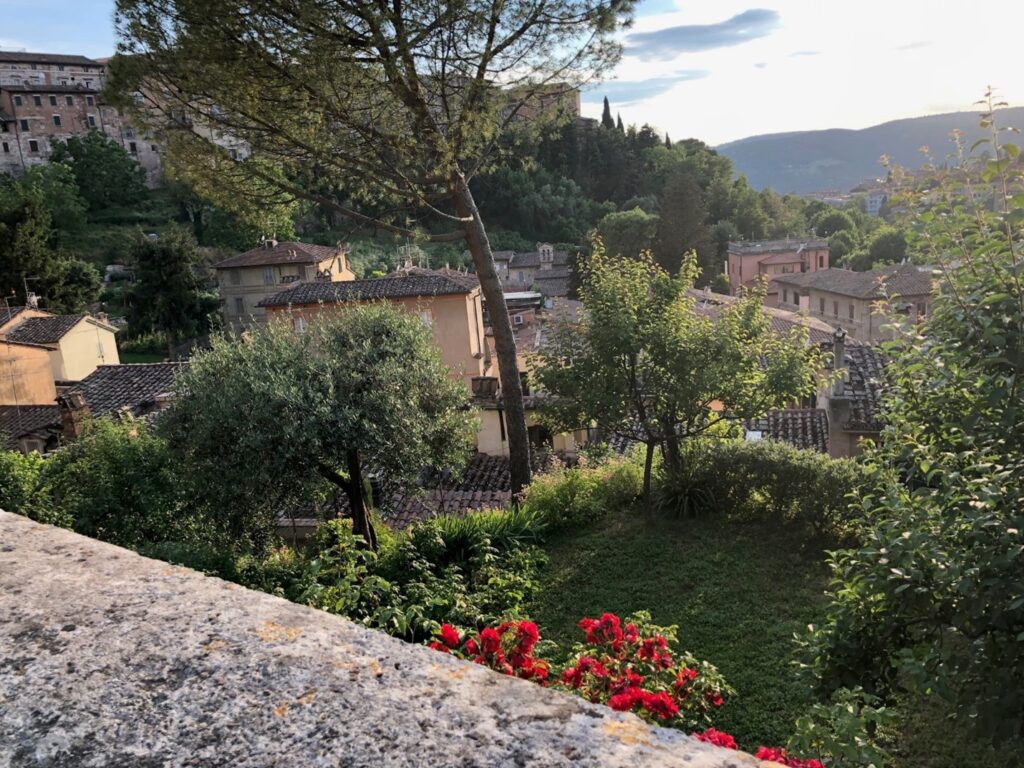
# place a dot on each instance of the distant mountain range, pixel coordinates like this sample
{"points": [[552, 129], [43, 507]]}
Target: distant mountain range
{"points": [[837, 159]]}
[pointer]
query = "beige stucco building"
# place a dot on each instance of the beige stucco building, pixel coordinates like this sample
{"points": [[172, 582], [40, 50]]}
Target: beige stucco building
{"points": [[26, 376], [862, 303], [246, 279], [77, 344]]}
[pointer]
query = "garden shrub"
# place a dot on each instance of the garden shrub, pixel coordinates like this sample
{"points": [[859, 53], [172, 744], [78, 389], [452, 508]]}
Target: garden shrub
{"points": [[767, 479], [568, 498], [20, 488]]}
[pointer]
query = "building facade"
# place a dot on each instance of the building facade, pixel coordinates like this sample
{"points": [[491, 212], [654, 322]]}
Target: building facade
{"points": [[749, 262], [861, 302], [246, 279], [52, 97]]}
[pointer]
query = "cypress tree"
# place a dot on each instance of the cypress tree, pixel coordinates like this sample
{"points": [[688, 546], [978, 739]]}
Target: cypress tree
{"points": [[668, 142], [619, 125], [606, 116]]}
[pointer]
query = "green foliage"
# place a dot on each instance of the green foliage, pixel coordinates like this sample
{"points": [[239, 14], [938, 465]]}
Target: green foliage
{"points": [[73, 284], [646, 366], [831, 221], [628, 232], [61, 197], [265, 423], [888, 245], [721, 284], [118, 483], [572, 498], [20, 487], [106, 174], [930, 599], [768, 480], [171, 294], [682, 225], [844, 729]]}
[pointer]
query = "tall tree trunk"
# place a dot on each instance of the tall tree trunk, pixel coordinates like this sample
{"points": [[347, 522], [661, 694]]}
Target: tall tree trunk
{"points": [[501, 325], [648, 462], [362, 525]]}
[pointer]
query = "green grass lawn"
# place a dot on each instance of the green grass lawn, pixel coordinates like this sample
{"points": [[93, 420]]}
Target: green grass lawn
{"points": [[737, 591]]}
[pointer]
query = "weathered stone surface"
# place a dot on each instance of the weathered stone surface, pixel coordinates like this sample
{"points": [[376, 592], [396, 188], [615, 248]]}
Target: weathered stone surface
{"points": [[111, 659]]}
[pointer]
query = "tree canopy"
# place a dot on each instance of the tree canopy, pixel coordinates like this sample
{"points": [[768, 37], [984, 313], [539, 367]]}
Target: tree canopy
{"points": [[263, 423], [380, 113], [645, 365], [106, 174]]}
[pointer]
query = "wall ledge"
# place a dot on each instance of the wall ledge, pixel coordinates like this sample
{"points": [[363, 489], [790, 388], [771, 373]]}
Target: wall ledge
{"points": [[108, 658]]}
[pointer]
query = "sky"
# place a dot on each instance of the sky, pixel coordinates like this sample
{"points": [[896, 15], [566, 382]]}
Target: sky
{"points": [[720, 70]]}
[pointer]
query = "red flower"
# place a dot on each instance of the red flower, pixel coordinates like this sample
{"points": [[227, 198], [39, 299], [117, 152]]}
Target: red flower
{"points": [[714, 698], [607, 629], [774, 754], [630, 634], [626, 699], [661, 705], [439, 647], [449, 635], [654, 650], [471, 647], [716, 737], [490, 640]]}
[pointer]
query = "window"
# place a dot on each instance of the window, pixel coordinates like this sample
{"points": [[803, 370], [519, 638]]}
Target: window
{"points": [[92, 121], [17, 101], [268, 275], [851, 311], [426, 318], [90, 100], [53, 100], [835, 308], [69, 100], [7, 147], [24, 124], [299, 323], [921, 307], [153, 147], [785, 296], [133, 148], [517, 319], [236, 277], [33, 145], [239, 305], [129, 133], [60, 67], [56, 121], [821, 261], [37, 100], [821, 306]]}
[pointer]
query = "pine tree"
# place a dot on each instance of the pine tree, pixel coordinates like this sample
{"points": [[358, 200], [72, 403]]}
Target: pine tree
{"points": [[606, 115], [619, 125]]}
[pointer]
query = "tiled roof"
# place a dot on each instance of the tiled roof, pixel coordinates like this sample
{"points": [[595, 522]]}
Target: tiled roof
{"points": [[863, 386], [802, 427], [782, 320], [17, 421], [901, 280], [405, 284], [776, 246], [484, 483], [111, 388], [25, 57], [281, 253], [44, 330]]}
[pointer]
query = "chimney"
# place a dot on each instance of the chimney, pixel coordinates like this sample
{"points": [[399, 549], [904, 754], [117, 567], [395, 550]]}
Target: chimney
{"points": [[74, 412], [839, 359], [485, 386], [269, 243]]}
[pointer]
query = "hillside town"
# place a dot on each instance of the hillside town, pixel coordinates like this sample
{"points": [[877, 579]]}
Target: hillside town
{"points": [[349, 358]]}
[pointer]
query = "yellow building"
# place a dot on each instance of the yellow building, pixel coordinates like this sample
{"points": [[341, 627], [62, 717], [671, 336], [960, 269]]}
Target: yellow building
{"points": [[26, 376], [247, 279], [77, 344]]}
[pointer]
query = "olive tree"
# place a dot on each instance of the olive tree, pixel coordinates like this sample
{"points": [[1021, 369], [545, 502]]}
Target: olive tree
{"points": [[378, 112], [261, 422]]}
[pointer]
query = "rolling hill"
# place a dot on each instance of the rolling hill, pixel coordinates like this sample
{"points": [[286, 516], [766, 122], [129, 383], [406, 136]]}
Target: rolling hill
{"points": [[837, 159]]}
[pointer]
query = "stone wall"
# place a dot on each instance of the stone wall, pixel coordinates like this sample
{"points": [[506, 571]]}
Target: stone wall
{"points": [[111, 659]]}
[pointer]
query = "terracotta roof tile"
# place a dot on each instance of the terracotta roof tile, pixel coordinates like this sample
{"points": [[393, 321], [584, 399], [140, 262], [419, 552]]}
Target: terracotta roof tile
{"points": [[112, 388], [281, 253], [405, 284], [44, 330], [901, 280], [24, 420], [803, 427]]}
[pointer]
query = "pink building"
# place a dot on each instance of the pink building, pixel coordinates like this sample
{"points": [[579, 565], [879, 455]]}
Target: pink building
{"points": [[768, 258]]}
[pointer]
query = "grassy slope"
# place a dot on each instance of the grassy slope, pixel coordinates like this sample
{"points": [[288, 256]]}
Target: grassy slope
{"points": [[737, 592]]}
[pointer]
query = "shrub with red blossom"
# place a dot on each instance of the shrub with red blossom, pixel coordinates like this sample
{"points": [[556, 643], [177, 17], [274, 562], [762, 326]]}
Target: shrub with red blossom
{"points": [[632, 667]]}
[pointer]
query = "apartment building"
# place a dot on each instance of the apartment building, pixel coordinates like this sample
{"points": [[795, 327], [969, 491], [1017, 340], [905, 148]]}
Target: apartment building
{"points": [[749, 262], [47, 97]]}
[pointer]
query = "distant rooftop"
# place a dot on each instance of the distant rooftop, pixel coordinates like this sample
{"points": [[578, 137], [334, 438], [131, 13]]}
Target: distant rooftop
{"points": [[287, 252], [900, 280], [134, 386], [406, 283], [44, 330], [776, 246], [26, 57]]}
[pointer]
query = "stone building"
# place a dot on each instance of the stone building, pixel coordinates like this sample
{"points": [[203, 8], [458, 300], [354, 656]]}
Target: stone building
{"points": [[47, 97]]}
